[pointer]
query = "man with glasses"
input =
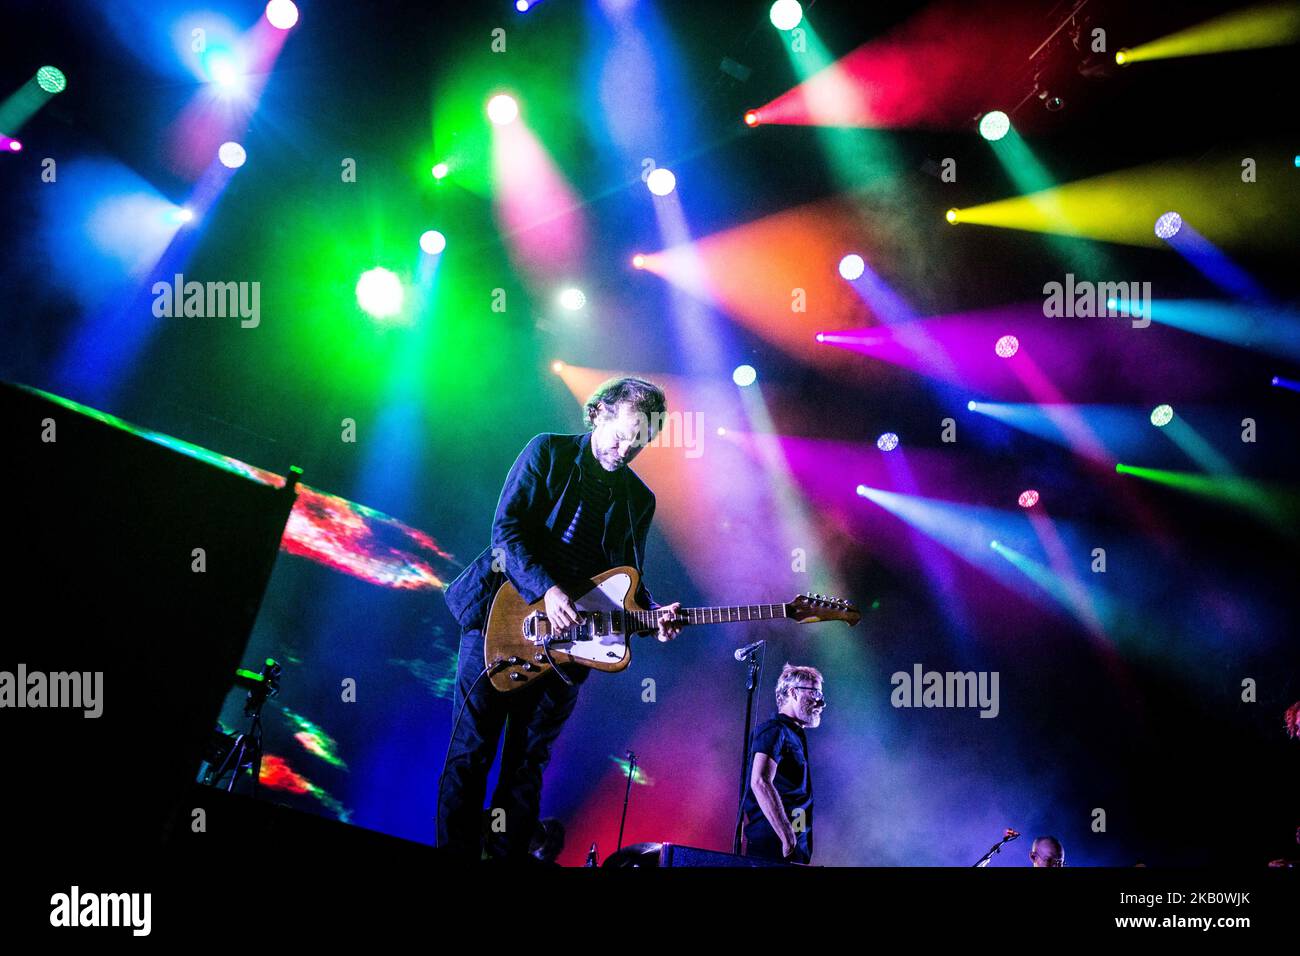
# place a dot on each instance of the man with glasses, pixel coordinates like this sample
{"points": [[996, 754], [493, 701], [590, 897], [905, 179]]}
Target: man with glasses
{"points": [[1046, 851], [779, 803]]}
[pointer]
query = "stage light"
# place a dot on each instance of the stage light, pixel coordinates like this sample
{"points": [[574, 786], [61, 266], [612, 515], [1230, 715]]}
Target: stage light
{"points": [[572, 299], [638, 261], [1162, 415], [821, 336], [994, 544], [661, 181], [379, 292], [281, 14], [557, 366], [433, 242], [1007, 346], [232, 155], [439, 171], [1028, 498], [51, 79], [744, 375], [852, 266], [522, 5], [12, 145], [1121, 57], [951, 216], [751, 119], [970, 406], [994, 125], [222, 69], [183, 214], [1167, 226], [502, 109], [862, 490], [887, 442], [786, 14], [721, 430]]}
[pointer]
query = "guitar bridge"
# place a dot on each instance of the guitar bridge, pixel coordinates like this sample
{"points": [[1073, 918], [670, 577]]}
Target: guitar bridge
{"points": [[531, 626]]}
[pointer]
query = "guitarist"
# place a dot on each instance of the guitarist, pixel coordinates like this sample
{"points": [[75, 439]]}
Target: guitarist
{"points": [[570, 508]]}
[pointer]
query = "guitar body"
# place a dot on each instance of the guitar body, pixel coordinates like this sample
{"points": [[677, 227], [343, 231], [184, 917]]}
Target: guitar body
{"points": [[519, 645], [601, 640]]}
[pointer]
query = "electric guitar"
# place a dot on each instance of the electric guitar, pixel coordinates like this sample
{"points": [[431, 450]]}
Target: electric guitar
{"points": [[519, 644]]}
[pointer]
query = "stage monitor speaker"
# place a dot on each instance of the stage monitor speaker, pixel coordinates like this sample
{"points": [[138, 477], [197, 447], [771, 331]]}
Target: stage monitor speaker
{"points": [[672, 854]]}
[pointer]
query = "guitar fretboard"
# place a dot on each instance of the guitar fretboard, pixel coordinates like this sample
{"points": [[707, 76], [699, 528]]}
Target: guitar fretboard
{"points": [[711, 615]]}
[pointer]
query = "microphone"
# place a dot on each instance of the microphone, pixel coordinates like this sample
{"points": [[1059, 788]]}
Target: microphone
{"points": [[743, 653]]}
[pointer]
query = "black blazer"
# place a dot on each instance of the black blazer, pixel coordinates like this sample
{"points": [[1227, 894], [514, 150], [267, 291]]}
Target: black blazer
{"points": [[542, 481]]}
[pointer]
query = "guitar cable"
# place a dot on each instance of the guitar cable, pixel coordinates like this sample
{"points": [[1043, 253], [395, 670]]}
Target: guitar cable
{"points": [[546, 649], [454, 727]]}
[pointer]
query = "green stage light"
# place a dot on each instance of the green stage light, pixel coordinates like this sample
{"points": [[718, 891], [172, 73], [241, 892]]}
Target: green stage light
{"points": [[786, 14], [379, 293], [994, 125], [51, 79]]}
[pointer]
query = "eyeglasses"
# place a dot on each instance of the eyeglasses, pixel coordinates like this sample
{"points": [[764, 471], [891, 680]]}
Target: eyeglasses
{"points": [[816, 696]]}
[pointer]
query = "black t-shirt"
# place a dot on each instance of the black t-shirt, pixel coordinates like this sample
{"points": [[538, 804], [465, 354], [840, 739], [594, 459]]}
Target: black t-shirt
{"points": [[782, 739]]}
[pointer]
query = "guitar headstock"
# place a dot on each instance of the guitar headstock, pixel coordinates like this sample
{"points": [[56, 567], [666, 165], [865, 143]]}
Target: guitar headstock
{"points": [[807, 608]]}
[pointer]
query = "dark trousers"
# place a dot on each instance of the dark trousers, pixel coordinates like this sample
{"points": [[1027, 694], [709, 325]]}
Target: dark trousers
{"points": [[759, 840], [532, 719]]}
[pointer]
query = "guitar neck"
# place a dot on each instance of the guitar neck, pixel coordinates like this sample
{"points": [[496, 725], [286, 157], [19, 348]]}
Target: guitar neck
{"points": [[731, 614]]}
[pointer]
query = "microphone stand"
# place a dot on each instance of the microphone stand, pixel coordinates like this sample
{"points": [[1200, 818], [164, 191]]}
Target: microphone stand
{"points": [[246, 750], [631, 772], [997, 847], [755, 658]]}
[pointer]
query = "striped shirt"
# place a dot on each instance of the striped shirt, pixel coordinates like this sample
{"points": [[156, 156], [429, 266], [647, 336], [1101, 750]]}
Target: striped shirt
{"points": [[574, 549]]}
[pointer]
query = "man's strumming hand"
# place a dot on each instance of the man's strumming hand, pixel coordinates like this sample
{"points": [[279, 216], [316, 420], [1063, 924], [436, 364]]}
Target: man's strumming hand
{"points": [[560, 611]]}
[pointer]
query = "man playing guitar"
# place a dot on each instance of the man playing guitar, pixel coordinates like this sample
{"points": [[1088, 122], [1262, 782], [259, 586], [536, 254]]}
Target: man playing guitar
{"points": [[570, 508]]}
